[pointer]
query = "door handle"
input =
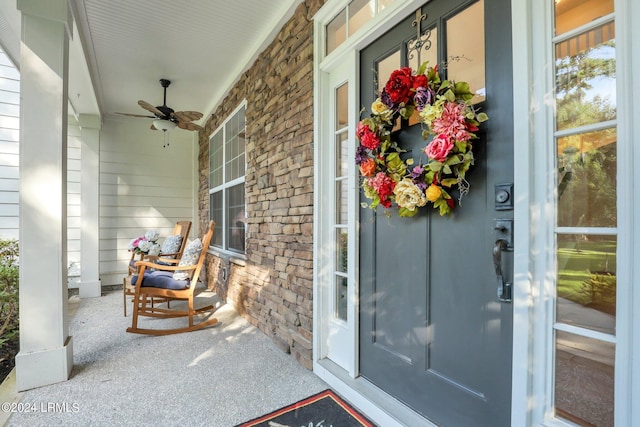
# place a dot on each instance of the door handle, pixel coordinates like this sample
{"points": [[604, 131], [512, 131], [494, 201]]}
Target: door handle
{"points": [[504, 289]]}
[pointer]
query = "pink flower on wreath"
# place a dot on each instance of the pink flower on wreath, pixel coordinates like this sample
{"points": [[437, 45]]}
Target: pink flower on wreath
{"points": [[383, 185], [452, 122], [439, 148], [367, 137]]}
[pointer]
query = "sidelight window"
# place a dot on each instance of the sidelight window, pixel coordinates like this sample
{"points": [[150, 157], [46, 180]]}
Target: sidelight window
{"points": [[586, 216]]}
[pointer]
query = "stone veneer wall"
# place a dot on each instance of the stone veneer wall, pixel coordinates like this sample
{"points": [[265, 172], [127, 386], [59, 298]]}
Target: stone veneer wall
{"points": [[273, 287]]}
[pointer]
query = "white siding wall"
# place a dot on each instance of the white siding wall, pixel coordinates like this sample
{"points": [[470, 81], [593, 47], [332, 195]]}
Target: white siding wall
{"points": [[9, 147], [73, 193], [10, 159], [74, 146], [142, 186]]}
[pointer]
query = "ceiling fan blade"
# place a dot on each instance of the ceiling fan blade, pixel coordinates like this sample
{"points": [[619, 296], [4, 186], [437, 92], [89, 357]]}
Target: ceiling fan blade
{"points": [[150, 108], [189, 126], [136, 115], [187, 116]]}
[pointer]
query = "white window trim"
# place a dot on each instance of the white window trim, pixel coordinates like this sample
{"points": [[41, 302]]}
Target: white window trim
{"points": [[227, 184]]}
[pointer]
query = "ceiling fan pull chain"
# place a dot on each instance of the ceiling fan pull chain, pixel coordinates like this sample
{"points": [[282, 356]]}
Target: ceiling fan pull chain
{"points": [[166, 139]]}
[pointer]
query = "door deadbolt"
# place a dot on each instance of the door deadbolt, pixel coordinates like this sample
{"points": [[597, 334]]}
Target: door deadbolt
{"points": [[504, 197]]}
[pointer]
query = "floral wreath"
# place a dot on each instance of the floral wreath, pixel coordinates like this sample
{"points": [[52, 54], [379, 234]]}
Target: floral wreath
{"points": [[445, 108]]}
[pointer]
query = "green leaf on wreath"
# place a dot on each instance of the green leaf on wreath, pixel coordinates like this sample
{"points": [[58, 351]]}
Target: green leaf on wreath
{"points": [[449, 182], [404, 212], [450, 96], [462, 88], [407, 112], [435, 166], [442, 205], [446, 169], [461, 146], [423, 68], [454, 160], [482, 117], [375, 203]]}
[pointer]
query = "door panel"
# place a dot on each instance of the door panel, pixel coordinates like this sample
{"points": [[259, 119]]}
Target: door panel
{"points": [[432, 331]]}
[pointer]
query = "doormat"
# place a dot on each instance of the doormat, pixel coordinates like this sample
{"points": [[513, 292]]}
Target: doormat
{"points": [[323, 409]]}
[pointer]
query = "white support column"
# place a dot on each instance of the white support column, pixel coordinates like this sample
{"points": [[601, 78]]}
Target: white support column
{"points": [[46, 349], [90, 285]]}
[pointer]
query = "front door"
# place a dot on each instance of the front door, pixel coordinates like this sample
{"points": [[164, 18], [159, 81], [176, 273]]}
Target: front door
{"points": [[433, 332]]}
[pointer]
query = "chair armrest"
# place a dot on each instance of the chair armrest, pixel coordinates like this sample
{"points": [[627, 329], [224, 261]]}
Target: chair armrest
{"points": [[156, 259], [170, 254], [147, 264]]}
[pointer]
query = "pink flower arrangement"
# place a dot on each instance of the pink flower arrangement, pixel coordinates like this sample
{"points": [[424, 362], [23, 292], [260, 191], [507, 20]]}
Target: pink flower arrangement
{"points": [[146, 244], [452, 122], [445, 111]]}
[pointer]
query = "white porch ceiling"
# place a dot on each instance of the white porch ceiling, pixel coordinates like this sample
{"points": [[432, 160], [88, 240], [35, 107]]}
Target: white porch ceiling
{"points": [[202, 46]]}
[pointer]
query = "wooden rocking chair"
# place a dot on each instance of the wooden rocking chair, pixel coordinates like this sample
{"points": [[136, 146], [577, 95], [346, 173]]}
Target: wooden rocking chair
{"points": [[182, 228], [161, 283]]}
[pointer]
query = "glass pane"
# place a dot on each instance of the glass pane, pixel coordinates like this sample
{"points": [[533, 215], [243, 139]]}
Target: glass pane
{"points": [[465, 55], [342, 202], [342, 158], [384, 3], [236, 218], [336, 31], [587, 179], [586, 78], [215, 213], [586, 290], [428, 49], [384, 69], [215, 160], [360, 12], [341, 298], [342, 106], [341, 250], [234, 147], [584, 380], [572, 14]]}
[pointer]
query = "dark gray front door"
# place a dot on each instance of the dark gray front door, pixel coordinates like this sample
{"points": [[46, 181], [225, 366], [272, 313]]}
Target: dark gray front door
{"points": [[432, 331]]}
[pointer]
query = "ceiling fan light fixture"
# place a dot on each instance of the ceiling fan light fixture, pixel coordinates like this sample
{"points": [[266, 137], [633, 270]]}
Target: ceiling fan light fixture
{"points": [[164, 125]]}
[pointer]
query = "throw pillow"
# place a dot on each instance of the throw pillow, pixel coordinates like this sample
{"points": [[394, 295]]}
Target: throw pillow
{"points": [[190, 256], [171, 244]]}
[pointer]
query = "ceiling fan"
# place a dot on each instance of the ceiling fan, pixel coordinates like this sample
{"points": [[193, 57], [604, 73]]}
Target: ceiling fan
{"points": [[165, 118]]}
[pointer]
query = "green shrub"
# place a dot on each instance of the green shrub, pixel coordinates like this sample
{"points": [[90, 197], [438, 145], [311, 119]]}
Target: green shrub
{"points": [[9, 279], [600, 290]]}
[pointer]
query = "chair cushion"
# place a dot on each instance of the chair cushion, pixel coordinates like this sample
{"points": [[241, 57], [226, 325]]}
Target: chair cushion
{"points": [[171, 244], [161, 279], [190, 256]]}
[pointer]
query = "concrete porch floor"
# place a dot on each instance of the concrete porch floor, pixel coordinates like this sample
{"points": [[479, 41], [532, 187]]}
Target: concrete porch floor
{"points": [[219, 376]]}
